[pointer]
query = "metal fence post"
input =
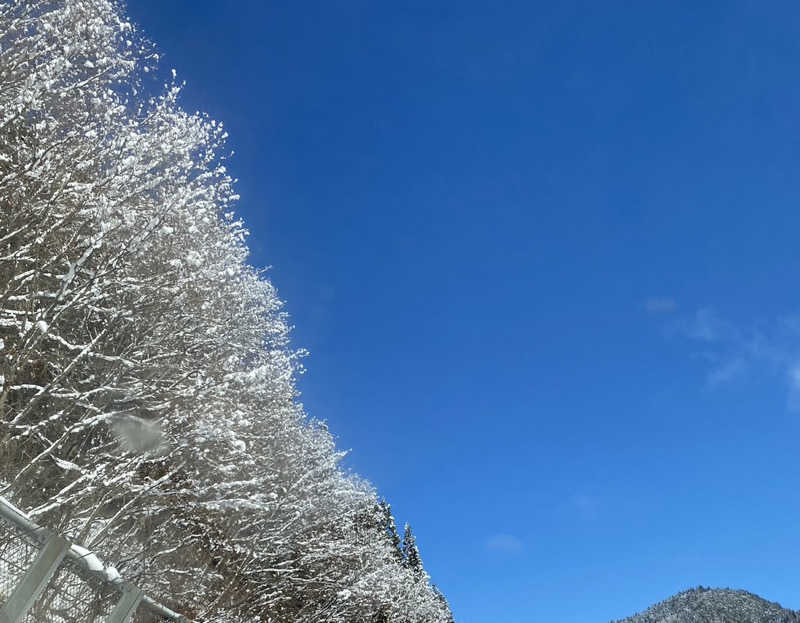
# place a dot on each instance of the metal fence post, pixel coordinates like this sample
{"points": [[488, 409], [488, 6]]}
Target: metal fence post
{"points": [[126, 606], [34, 581], [86, 570]]}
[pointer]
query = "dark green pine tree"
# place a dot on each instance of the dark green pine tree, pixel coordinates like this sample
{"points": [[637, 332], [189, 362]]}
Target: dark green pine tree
{"points": [[411, 557], [390, 529]]}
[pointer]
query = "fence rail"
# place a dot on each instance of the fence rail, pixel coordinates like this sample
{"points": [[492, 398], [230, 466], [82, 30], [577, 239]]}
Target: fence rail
{"points": [[46, 579]]}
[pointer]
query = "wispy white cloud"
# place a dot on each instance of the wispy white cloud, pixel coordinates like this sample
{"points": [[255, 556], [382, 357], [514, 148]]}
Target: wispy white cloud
{"points": [[734, 352], [793, 400], [660, 305], [726, 371], [504, 543], [707, 326]]}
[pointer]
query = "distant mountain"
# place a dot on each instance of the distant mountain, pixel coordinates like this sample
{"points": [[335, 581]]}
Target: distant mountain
{"points": [[707, 605]]}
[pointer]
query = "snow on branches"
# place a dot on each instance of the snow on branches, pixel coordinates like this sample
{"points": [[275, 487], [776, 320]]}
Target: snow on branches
{"points": [[147, 385]]}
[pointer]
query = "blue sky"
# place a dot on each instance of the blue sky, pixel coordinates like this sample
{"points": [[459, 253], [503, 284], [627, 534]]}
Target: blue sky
{"points": [[545, 258]]}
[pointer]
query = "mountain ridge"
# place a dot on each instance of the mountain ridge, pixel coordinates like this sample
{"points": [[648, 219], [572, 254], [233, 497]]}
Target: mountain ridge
{"points": [[714, 605]]}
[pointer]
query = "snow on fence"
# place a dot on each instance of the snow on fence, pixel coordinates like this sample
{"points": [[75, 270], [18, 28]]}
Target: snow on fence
{"points": [[46, 579]]}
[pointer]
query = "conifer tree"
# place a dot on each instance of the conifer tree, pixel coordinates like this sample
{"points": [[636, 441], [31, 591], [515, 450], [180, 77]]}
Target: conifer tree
{"points": [[446, 605], [411, 557], [390, 529]]}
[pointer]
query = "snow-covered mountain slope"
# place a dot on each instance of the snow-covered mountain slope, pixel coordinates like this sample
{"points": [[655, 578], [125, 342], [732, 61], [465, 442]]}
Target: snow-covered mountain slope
{"points": [[705, 605]]}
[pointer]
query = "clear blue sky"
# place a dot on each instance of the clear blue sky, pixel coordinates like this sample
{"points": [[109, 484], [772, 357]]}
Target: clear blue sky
{"points": [[545, 257]]}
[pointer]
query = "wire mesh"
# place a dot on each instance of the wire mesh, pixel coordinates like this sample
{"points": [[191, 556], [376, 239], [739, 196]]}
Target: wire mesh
{"points": [[17, 553], [145, 615], [72, 596]]}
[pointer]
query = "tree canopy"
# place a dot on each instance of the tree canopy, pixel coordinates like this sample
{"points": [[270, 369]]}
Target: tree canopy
{"points": [[148, 404]]}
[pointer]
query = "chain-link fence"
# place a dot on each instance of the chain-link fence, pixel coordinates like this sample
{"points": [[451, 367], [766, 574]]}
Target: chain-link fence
{"points": [[17, 553], [45, 579]]}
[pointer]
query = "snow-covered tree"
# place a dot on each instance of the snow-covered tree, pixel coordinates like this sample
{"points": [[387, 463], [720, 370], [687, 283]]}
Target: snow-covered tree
{"points": [[411, 558], [148, 405], [390, 529]]}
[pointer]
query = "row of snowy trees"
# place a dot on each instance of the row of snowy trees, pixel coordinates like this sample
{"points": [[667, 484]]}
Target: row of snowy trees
{"points": [[147, 386]]}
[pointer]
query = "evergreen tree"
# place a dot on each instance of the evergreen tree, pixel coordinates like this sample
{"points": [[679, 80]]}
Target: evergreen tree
{"points": [[390, 529], [443, 600], [411, 557]]}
